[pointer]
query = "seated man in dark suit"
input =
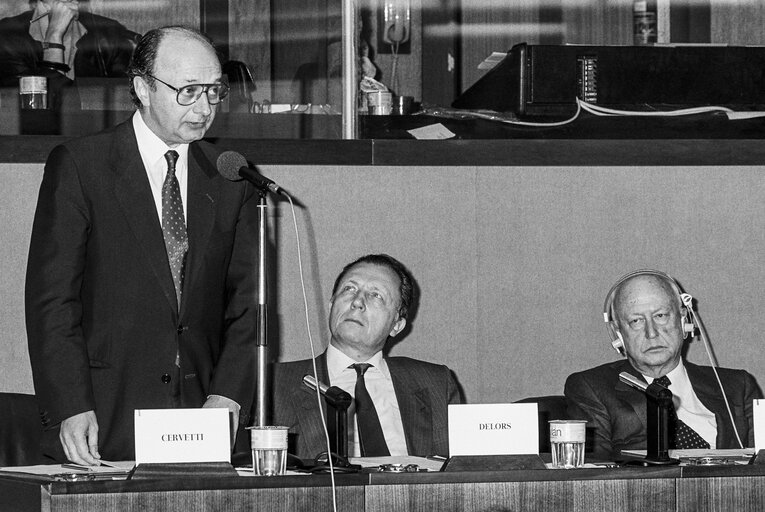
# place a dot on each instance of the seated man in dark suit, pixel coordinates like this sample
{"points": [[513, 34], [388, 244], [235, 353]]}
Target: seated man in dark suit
{"points": [[649, 322], [370, 303]]}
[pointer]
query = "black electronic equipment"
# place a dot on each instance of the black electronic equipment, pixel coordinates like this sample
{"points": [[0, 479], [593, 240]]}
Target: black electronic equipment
{"points": [[539, 80]]}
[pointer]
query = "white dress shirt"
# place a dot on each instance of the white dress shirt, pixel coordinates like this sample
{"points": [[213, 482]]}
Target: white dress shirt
{"points": [[153, 151], [380, 387], [688, 406]]}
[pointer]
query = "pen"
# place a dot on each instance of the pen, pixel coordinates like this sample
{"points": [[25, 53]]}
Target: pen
{"points": [[40, 17]]}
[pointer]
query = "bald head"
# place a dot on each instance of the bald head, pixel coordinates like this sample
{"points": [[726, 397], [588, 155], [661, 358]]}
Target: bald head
{"points": [[648, 312]]}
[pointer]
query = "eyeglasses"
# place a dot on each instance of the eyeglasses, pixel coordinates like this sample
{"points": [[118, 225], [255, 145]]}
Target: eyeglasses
{"points": [[189, 94]]}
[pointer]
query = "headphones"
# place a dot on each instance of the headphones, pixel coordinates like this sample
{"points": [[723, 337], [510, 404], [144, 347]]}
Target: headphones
{"points": [[617, 341]]}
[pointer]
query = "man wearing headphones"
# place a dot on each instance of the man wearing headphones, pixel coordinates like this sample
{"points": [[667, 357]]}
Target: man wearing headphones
{"points": [[649, 322]]}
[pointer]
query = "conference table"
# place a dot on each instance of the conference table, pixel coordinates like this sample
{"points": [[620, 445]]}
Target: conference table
{"points": [[654, 489]]}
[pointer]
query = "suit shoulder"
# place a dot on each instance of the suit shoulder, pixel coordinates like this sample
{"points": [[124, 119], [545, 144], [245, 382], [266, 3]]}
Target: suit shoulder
{"points": [[601, 372], [411, 364]]}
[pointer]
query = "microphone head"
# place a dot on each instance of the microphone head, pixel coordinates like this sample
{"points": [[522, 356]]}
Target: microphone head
{"points": [[229, 163]]}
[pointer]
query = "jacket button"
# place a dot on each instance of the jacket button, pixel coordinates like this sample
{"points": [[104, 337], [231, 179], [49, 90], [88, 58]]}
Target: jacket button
{"points": [[166, 378], [181, 328]]}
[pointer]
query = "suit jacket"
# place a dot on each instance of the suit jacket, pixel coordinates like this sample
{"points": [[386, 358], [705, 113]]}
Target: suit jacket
{"points": [[616, 412], [423, 390], [103, 322]]}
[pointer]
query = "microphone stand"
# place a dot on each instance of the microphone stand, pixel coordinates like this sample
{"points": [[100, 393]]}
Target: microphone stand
{"points": [[339, 400], [658, 403], [261, 395]]}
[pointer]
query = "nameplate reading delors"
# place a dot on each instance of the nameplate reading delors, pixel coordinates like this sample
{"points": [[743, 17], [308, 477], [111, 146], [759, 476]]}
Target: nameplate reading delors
{"points": [[493, 429], [758, 414], [182, 435]]}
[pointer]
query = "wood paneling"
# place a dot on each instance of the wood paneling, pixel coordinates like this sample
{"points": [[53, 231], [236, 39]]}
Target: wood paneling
{"points": [[141, 16], [738, 22]]}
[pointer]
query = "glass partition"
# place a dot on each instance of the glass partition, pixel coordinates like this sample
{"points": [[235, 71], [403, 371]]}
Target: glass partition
{"points": [[284, 58]]}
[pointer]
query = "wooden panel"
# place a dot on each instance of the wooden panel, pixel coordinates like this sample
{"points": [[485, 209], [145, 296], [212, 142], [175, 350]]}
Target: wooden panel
{"points": [[495, 25], [140, 16], [739, 494], [250, 41], [350, 499], [600, 495], [738, 21], [598, 22]]}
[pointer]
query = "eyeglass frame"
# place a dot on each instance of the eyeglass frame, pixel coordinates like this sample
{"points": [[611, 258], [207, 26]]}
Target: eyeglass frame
{"points": [[205, 88]]}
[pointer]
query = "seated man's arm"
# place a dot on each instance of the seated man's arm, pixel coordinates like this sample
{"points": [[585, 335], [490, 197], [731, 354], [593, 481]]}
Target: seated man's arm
{"points": [[584, 404]]}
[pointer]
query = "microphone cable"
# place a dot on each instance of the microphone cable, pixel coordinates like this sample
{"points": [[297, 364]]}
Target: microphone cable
{"points": [[313, 353], [688, 302]]}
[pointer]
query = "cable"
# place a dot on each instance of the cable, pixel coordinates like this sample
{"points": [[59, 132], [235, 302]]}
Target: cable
{"points": [[603, 111], [313, 353], [688, 301]]}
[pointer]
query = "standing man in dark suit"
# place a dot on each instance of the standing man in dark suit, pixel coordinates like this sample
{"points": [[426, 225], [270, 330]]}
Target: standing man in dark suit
{"points": [[142, 267], [649, 321], [370, 302]]}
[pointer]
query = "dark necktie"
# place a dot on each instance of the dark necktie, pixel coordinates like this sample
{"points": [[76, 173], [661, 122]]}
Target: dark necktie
{"points": [[682, 436], [371, 436], [174, 224]]}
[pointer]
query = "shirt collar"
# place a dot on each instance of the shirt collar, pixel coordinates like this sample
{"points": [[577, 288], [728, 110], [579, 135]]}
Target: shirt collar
{"points": [[338, 362], [152, 148], [676, 377]]}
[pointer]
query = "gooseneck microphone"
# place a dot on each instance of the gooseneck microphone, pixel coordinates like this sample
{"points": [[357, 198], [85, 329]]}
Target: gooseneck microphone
{"points": [[233, 166]]}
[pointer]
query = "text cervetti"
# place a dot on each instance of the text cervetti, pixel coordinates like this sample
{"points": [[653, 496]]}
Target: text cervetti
{"points": [[182, 438]]}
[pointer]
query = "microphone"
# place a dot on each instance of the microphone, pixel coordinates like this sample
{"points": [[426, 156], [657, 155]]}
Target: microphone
{"points": [[335, 396], [654, 390], [233, 166], [312, 383]]}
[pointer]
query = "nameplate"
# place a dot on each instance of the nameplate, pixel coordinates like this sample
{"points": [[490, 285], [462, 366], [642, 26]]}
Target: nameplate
{"points": [[493, 429], [182, 435], [758, 414]]}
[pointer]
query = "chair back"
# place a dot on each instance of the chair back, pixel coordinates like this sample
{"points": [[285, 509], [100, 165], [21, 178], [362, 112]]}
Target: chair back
{"points": [[550, 407]]}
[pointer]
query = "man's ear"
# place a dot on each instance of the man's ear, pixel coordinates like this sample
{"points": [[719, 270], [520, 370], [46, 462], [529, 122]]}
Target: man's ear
{"points": [[141, 90], [398, 326]]}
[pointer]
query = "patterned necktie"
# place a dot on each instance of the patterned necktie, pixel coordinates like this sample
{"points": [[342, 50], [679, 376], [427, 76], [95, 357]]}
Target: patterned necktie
{"points": [[371, 436], [682, 436], [174, 224]]}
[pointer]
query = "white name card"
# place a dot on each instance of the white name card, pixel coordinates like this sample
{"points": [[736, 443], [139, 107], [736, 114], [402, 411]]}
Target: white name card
{"points": [[758, 414], [182, 435], [493, 429]]}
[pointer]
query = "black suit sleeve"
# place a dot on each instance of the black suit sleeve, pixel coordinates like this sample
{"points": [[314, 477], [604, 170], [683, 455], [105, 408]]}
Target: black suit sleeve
{"points": [[53, 306]]}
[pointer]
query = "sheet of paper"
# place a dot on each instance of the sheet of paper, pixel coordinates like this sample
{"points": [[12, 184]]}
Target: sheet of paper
{"points": [[431, 132]]}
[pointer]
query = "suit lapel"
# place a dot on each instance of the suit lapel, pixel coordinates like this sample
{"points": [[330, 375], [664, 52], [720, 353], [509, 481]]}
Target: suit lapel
{"points": [[630, 395], [132, 190], [202, 194], [306, 405], [415, 407]]}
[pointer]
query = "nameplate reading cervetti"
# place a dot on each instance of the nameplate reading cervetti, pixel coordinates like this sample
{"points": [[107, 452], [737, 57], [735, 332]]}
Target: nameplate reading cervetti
{"points": [[182, 435]]}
